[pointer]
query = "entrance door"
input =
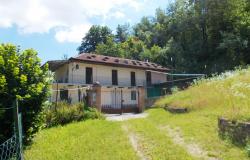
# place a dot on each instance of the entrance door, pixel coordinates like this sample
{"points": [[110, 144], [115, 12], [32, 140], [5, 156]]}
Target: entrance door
{"points": [[117, 99]]}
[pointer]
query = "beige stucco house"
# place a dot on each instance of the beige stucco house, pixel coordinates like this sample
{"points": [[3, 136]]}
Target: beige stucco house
{"points": [[111, 84]]}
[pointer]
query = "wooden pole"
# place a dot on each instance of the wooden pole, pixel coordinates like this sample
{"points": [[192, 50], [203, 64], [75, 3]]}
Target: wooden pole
{"points": [[121, 102], [56, 94]]}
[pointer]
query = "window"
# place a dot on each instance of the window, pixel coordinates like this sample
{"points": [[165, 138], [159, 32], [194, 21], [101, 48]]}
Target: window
{"points": [[148, 78], [114, 77], [77, 66], [133, 95], [64, 94], [132, 79], [89, 75]]}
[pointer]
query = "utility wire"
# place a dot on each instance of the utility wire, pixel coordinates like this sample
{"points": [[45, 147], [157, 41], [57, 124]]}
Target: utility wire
{"points": [[7, 108], [182, 79]]}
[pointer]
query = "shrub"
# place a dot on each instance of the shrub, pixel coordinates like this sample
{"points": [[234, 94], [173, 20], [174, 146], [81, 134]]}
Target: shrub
{"points": [[92, 113], [64, 113], [22, 78]]}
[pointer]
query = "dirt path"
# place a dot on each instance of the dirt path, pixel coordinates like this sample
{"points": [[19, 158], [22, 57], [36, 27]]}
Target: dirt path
{"points": [[134, 140], [192, 148]]}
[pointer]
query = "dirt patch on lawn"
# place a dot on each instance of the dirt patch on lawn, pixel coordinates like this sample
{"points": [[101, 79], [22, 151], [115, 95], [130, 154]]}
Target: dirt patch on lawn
{"points": [[134, 140], [192, 148]]}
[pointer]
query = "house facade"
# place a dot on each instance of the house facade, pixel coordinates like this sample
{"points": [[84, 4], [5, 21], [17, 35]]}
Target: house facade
{"points": [[111, 84]]}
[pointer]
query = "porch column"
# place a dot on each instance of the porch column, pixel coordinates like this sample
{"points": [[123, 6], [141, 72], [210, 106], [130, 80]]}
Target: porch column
{"points": [[96, 97], [141, 98]]}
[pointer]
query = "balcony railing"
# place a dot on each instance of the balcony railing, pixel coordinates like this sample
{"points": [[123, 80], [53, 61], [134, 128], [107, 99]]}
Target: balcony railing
{"points": [[103, 80]]}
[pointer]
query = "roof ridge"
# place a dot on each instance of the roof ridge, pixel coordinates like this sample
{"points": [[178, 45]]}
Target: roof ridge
{"points": [[81, 54]]}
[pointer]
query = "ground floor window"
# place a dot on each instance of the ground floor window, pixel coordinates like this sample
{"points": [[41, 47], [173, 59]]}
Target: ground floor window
{"points": [[133, 95], [64, 94]]}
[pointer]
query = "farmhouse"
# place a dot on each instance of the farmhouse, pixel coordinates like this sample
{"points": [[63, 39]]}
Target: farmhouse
{"points": [[111, 84]]}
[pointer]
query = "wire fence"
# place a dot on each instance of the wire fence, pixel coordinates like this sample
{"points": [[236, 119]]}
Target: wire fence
{"points": [[11, 149]]}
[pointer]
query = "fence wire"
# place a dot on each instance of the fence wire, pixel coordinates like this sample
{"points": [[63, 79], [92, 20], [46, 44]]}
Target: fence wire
{"points": [[9, 150]]}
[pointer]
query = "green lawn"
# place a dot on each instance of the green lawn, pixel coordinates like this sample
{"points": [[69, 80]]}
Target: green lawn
{"points": [[92, 139]]}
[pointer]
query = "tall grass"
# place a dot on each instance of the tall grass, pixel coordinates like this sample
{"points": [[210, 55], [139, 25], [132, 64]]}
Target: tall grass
{"points": [[228, 92]]}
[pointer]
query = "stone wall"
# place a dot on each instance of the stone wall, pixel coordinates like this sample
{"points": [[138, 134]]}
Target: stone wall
{"points": [[238, 132]]}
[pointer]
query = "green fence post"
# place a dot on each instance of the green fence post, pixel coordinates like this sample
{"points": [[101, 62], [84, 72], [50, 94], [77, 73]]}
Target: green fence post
{"points": [[18, 128]]}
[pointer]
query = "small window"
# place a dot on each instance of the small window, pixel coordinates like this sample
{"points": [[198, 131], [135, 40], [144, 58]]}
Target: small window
{"points": [[77, 66], [133, 95], [114, 77]]}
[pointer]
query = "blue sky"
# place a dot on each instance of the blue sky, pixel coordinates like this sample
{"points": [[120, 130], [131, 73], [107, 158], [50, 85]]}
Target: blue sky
{"points": [[55, 28]]}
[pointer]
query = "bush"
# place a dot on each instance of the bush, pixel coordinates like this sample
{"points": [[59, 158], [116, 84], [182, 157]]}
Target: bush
{"points": [[22, 78], [65, 113], [92, 113]]}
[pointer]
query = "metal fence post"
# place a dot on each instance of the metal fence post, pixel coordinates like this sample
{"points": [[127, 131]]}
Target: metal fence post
{"points": [[18, 128]]}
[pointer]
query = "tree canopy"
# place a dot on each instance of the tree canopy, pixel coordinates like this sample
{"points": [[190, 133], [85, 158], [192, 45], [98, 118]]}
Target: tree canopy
{"points": [[96, 35], [200, 36]]}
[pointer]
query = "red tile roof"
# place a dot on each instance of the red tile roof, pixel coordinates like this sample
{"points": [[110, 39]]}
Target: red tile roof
{"points": [[116, 61]]}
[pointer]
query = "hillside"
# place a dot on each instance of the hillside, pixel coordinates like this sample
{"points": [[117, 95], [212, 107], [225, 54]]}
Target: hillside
{"points": [[226, 94]]}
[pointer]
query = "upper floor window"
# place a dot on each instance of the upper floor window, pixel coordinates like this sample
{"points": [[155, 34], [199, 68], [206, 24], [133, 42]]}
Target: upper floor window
{"points": [[132, 79], [148, 78], [77, 66], [114, 77], [89, 75]]}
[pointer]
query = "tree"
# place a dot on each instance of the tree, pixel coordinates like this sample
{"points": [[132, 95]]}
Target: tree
{"points": [[122, 33], [110, 48], [22, 78], [133, 48], [96, 35]]}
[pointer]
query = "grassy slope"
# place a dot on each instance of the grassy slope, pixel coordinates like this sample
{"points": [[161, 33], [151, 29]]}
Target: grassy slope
{"points": [[199, 127], [227, 95]]}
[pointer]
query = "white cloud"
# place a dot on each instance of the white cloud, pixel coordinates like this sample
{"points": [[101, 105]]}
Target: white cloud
{"points": [[69, 19], [119, 14], [73, 33]]}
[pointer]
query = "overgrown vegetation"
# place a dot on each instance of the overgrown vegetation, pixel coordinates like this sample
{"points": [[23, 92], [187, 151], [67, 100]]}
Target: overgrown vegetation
{"points": [[204, 36], [63, 113], [22, 78]]}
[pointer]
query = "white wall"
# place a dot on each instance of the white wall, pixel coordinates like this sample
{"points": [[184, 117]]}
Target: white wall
{"points": [[158, 77]]}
